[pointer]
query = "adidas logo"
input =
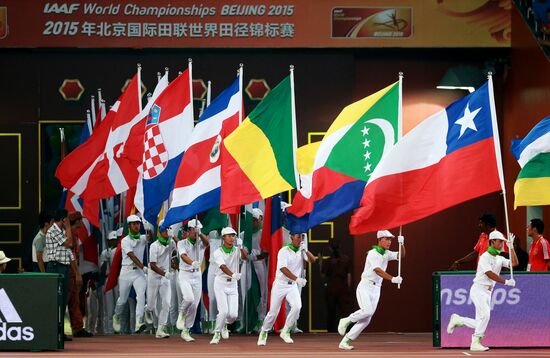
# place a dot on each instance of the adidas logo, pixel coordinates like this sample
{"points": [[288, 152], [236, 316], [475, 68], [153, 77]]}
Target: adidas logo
{"points": [[11, 327]]}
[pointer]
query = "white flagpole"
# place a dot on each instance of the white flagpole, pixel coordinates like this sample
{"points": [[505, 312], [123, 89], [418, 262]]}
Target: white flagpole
{"points": [[294, 132], [496, 141], [89, 121], [139, 86], [240, 71], [101, 105], [92, 98], [208, 93], [399, 135]]}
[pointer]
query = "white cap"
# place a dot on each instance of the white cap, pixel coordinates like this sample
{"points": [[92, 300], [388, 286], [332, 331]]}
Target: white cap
{"points": [[119, 231], [194, 223], [228, 231], [112, 235], [3, 258], [256, 213], [133, 219], [383, 233], [496, 235]]}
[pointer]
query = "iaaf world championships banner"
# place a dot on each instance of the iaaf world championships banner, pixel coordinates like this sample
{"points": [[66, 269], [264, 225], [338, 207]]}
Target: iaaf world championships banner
{"points": [[254, 23], [520, 316]]}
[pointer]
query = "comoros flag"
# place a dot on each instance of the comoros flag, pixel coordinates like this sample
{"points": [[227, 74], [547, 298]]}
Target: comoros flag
{"points": [[167, 132], [197, 185]]}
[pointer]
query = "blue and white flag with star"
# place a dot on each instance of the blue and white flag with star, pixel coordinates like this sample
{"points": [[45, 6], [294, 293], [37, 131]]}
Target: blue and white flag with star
{"points": [[451, 157]]}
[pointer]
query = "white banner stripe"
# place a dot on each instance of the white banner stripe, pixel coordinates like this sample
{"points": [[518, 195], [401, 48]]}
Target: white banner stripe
{"points": [[207, 182]]}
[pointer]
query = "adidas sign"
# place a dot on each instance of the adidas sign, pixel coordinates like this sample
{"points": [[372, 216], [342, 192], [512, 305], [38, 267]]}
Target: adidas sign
{"points": [[11, 325]]}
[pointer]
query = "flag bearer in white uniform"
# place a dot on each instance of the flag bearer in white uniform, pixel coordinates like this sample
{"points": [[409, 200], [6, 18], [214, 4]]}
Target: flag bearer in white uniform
{"points": [[259, 260], [368, 290], [158, 280], [191, 253], [110, 297], [290, 263], [226, 259], [488, 270], [215, 241], [132, 273]]}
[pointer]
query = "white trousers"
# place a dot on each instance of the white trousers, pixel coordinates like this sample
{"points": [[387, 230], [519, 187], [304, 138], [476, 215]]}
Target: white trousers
{"points": [[367, 299], [158, 288], [175, 298], [279, 291], [94, 311], [126, 280], [190, 284], [261, 272], [227, 298], [481, 298], [212, 308], [109, 301]]}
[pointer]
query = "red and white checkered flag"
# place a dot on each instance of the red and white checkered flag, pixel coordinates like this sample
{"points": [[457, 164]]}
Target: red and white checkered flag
{"points": [[155, 157]]}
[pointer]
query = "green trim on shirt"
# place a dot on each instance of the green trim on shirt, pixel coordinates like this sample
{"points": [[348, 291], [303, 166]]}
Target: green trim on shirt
{"points": [[134, 236], [226, 250], [379, 249], [292, 247]]}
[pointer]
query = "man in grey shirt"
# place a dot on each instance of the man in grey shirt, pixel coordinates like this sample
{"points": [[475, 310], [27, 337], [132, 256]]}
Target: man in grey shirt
{"points": [[39, 258]]}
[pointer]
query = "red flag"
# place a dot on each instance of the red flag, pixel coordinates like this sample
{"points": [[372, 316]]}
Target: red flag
{"points": [[106, 164], [272, 242], [114, 272]]}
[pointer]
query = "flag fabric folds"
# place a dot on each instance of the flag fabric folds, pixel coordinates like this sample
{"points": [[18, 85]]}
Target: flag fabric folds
{"points": [[533, 155], [258, 157], [167, 130], [334, 172], [272, 242], [106, 164], [451, 157], [72, 202], [197, 184]]}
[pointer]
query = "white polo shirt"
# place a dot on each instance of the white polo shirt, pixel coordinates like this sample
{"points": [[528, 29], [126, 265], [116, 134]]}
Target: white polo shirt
{"points": [[137, 246], [293, 261], [488, 262], [107, 255], [161, 254], [194, 252], [375, 259], [231, 260], [215, 241]]}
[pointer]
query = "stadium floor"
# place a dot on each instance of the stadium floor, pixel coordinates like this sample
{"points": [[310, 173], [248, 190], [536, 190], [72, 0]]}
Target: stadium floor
{"points": [[305, 345]]}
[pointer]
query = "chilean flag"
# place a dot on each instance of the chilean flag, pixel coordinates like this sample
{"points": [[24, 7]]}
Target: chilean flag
{"points": [[166, 137], [197, 186], [451, 157]]}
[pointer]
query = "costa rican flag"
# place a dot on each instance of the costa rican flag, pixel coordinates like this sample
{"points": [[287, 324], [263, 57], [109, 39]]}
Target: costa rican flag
{"points": [[198, 182]]}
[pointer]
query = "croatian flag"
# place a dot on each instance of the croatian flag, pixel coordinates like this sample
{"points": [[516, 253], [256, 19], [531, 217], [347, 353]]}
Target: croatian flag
{"points": [[167, 130], [451, 157], [198, 182]]}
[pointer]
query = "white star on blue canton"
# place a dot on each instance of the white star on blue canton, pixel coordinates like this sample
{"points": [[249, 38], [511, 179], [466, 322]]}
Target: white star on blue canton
{"points": [[467, 120]]}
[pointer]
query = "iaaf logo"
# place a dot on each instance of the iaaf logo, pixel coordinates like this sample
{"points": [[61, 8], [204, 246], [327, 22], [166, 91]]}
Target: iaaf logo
{"points": [[11, 328], [461, 296]]}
